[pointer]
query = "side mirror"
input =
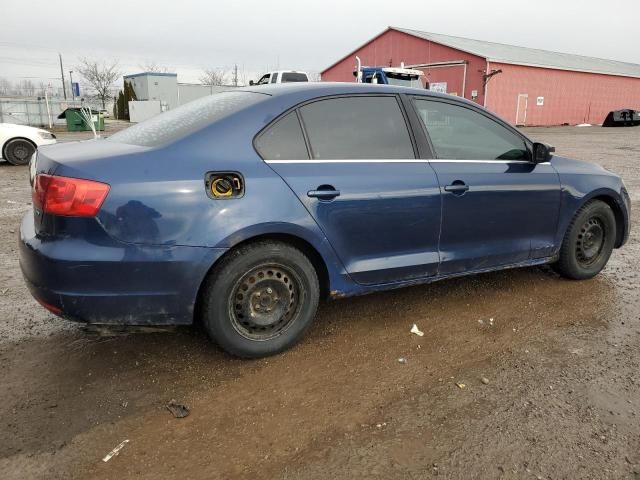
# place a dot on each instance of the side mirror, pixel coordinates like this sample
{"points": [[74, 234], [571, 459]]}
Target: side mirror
{"points": [[251, 82], [542, 153]]}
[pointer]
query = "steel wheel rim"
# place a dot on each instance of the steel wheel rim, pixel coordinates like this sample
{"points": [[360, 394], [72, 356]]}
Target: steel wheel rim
{"points": [[265, 302], [21, 152], [591, 240]]}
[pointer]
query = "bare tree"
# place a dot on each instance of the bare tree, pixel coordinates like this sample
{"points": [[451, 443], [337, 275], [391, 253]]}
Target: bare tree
{"points": [[242, 77], [100, 76], [5, 86], [42, 88], [27, 88], [153, 67], [213, 77], [314, 76]]}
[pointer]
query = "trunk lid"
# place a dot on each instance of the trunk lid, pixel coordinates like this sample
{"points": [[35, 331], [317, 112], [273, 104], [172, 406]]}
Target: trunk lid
{"points": [[85, 160]]}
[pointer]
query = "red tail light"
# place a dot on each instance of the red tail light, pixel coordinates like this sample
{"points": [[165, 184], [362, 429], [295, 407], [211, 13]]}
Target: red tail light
{"points": [[71, 197]]}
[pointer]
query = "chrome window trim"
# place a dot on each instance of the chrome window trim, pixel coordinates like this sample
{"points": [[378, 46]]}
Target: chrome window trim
{"points": [[443, 160], [412, 160]]}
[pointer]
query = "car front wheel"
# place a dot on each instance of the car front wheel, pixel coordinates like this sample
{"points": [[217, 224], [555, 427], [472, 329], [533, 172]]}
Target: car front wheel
{"points": [[19, 151], [260, 299], [588, 242]]}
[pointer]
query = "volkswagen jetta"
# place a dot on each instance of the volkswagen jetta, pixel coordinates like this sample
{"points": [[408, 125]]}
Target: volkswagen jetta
{"points": [[242, 209]]}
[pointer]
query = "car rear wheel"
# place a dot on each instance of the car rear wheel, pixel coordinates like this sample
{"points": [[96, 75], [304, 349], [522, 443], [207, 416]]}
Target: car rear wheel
{"points": [[260, 299], [19, 151], [588, 242]]}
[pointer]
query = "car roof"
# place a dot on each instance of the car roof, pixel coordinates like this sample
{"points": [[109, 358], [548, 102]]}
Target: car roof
{"points": [[312, 90], [287, 71]]}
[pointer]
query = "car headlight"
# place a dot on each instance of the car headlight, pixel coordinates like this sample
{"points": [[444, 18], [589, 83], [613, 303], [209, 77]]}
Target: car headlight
{"points": [[46, 135]]}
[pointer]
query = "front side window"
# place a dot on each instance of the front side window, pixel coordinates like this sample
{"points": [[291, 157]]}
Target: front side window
{"points": [[264, 80], [460, 133], [283, 140], [357, 128], [274, 77]]}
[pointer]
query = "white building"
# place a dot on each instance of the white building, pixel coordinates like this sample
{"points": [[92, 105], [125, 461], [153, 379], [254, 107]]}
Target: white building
{"points": [[163, 92]]}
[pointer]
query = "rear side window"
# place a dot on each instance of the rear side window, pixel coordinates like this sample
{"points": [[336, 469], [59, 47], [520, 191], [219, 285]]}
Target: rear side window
{"points": [[180, 122], [293, 77], [283, 140], [357, 128], [462, 134]]}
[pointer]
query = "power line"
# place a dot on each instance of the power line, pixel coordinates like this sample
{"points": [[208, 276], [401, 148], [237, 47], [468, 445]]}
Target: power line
{"points": [[24, 45], [26, 62], [126, 64], [30, 77]]}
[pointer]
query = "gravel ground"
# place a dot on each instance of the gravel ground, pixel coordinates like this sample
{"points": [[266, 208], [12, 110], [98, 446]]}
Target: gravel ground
{"points": [[549, 389]]}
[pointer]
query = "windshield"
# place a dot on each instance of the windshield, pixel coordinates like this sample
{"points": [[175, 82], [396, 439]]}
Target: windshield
{"points": [[404, 80], [175, 124]]}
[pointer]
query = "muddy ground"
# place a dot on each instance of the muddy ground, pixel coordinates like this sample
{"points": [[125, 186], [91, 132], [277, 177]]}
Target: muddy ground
{"points": [[561, 360]]}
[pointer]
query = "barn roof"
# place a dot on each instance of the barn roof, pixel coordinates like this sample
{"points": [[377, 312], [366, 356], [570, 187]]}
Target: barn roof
{"points": [[511, 54]]}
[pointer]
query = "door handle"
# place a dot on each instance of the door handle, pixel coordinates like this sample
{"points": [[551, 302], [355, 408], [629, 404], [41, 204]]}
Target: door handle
{"points": [[324, 194], [458, 187]]}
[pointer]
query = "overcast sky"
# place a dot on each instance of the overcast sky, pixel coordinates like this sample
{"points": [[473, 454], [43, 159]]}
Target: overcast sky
{"points": [[187, 36]]}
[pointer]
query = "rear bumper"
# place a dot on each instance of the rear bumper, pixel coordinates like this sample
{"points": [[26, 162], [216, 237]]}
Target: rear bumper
{"points": [[111, 282]]}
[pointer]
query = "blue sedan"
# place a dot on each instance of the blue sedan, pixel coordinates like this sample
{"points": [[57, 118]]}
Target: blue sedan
{"points": [[243, 209]]}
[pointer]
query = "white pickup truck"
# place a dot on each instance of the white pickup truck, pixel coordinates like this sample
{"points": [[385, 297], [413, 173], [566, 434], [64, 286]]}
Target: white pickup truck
{"points": [[281, 76]]}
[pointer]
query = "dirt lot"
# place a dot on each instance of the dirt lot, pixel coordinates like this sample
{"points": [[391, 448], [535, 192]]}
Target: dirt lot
{"points": [[561, 360]]}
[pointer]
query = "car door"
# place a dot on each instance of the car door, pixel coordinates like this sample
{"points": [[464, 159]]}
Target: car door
{"points": [[355, 170], [498, 207]]}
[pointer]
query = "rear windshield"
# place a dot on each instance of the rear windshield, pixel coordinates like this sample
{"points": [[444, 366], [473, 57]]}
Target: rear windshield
{"points": [[175, 124], [294, 77], [403, 80]]}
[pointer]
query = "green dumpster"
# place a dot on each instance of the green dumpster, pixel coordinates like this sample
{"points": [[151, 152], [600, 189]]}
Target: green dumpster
{"points": [[76, 123]]}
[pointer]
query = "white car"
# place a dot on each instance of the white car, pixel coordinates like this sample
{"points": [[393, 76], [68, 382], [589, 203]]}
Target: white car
{"points": [[281, 76], [18, 143]]}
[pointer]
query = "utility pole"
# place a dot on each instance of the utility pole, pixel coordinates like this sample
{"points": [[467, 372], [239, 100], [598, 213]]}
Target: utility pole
{"points": [[235, 75], [73, 93], [64, 86]]}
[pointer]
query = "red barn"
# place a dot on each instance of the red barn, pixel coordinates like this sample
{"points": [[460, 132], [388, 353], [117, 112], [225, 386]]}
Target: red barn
{"points": [[524, 86]]}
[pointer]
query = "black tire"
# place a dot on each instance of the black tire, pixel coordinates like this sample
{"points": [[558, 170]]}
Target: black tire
{"points": [[588, 242], [18, 151], [260, 299]]}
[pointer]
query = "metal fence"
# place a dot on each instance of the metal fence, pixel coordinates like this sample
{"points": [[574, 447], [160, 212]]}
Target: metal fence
{"points": [[38, 112]]}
